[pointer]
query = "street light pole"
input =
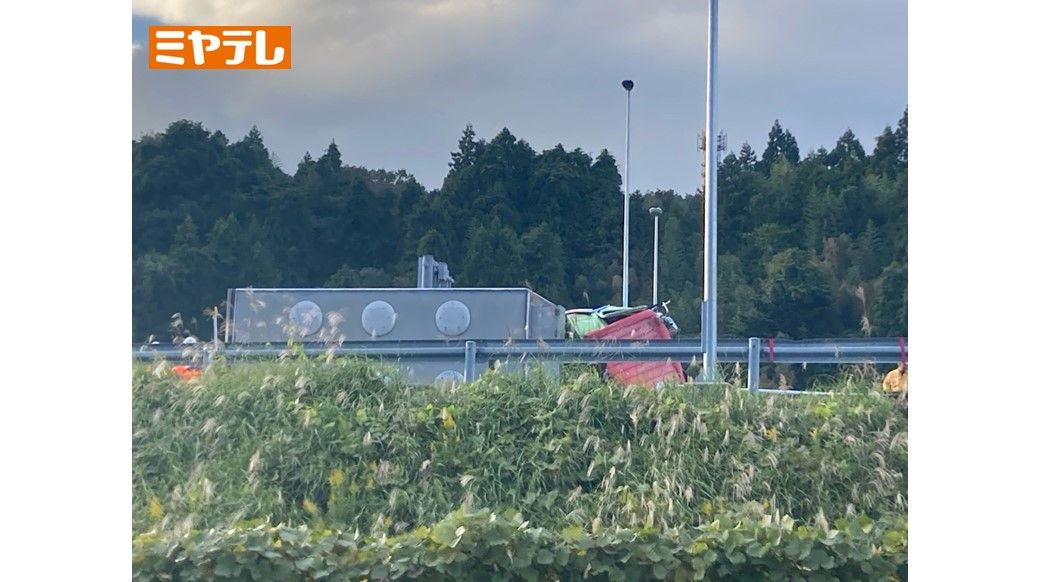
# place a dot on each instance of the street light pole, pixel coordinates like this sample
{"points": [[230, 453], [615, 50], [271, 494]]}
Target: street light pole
{"points": [[709, 314], [628, 120], [656, 213]]}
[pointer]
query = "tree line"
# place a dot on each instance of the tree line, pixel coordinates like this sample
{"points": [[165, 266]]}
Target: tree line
{"points": [[809, 245]]}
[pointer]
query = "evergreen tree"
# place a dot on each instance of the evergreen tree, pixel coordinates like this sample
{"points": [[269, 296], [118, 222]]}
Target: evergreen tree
{"points": [[797, 297], [493, 258], [185, 241], [468, 149], [888, 311], [885, 159], [902, 139], [329, 165], [779, 197], [847, 150], [738, 306], [251, 151], [306, 168], [155, 279], [781, 144], [543, 259], [677, 263], [747, 158], [869, 248], [820, 217]]}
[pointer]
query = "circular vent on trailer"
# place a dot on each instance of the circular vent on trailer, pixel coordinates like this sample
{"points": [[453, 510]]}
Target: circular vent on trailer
{"points": [[378, 318], [449, 378], [305, 318], [452, 318]]}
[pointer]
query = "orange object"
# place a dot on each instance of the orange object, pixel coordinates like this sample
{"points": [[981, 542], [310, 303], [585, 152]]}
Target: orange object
{"points": [[641, 325], [187, 372], [220, 47], [895, 381]]}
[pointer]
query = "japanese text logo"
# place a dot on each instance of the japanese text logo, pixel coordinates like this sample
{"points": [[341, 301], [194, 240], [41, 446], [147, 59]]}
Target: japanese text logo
{"points": [[220, 47]]}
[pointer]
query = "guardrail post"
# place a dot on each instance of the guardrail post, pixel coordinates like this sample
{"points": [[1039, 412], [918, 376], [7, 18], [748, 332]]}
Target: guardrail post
{"points": [[754, 349], [471, 361]]}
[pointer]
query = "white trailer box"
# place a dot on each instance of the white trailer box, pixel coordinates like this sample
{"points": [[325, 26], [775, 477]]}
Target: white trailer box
{"points": [[334, 316]]}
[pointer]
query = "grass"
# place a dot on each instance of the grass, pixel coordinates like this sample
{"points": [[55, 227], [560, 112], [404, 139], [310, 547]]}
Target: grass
{"points": [[346, 444]]}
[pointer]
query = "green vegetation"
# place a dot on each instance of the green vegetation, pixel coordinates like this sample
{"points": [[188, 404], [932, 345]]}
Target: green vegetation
{"points": [[692, 480], [812, 246], [483, 546]]}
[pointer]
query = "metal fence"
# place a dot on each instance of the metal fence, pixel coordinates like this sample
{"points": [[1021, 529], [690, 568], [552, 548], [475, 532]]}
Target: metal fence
{"points": [[752, 351]]}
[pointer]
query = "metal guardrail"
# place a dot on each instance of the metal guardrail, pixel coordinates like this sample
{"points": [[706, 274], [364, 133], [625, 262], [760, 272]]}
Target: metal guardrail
{"points": [[751, 351]]}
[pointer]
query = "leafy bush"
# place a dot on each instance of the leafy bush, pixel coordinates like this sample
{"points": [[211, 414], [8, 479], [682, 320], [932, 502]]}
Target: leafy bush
{"points": [[482, 546]]}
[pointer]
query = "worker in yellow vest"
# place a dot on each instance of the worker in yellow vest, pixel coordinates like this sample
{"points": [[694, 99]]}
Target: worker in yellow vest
{"points": [[895, 381]]}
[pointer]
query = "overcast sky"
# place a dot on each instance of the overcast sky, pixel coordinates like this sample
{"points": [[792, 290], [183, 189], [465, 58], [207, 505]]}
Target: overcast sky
{"points": [[394, 82]]}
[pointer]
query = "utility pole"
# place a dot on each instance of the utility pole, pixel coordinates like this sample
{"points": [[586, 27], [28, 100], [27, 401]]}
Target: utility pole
{"points": [[628, 121], [709, 313], [656, 213]]}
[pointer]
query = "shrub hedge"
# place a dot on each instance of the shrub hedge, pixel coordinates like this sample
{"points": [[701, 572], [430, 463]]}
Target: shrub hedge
{"points": [[482, 546]]}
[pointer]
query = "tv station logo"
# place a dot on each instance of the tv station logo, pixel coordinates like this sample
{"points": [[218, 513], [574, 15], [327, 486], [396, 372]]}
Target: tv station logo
{"points": [[220, 47]]}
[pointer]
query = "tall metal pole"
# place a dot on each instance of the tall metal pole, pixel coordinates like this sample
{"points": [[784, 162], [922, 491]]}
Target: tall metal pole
{"points": [[628, 121], [656, 212], [709, 313]]}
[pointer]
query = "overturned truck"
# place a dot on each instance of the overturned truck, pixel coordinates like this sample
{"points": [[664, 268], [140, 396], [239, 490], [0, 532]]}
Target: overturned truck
{"points": [[435, 310]]}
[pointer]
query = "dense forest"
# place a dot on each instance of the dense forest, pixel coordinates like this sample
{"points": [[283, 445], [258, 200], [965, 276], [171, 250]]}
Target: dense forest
{"points": [[809, 246]]}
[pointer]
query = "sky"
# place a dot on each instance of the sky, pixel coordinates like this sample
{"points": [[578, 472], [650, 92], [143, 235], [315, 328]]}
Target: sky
{"points": [[394, 82]]}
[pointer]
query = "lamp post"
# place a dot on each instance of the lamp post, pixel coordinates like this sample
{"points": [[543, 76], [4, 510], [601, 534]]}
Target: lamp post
{"points": [[628, 120], [709, 314], [656, 213]]}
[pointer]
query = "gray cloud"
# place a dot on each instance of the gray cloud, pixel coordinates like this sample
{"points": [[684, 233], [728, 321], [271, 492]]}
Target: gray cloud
{"points": [[394, 82]]}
